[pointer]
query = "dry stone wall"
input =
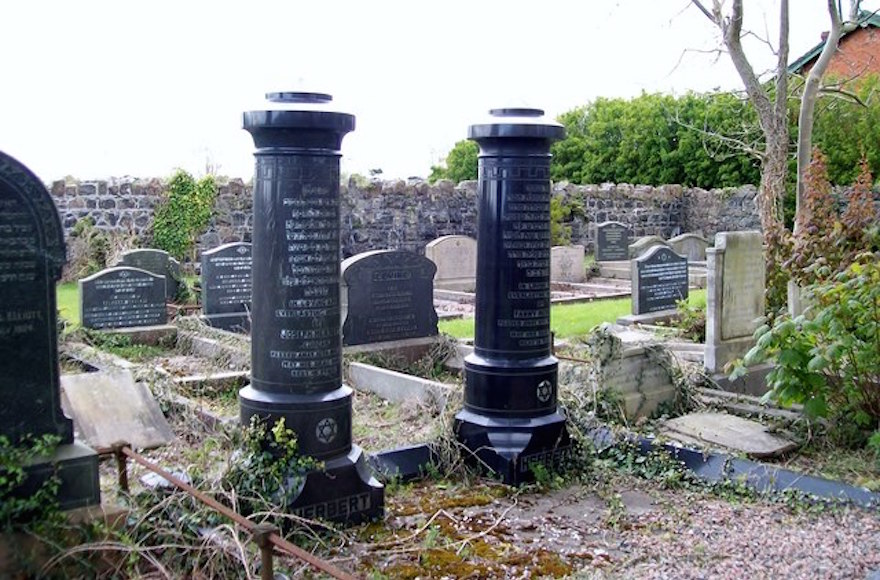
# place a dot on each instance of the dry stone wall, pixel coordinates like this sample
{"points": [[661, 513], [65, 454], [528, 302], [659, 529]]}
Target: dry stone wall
{"points": [[408, 214]]}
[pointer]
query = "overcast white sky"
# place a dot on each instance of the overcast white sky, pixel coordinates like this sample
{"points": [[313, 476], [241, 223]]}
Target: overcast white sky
{"points": [[99, 89]]}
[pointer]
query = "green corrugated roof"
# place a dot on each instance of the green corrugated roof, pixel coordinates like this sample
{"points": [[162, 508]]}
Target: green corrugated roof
{"points": [[866, 19]]}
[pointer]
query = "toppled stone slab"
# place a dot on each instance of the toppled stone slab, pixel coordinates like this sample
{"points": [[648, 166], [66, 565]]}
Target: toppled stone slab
{"points": [[730, 432], [108, 407]]}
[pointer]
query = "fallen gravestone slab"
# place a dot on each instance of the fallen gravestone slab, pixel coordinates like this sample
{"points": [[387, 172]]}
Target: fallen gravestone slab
{"points": [[109, 407], [730, 432]]}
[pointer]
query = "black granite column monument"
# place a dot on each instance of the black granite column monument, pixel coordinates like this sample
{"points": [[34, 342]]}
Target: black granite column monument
{"points": [[296, 343], [510, 418]]}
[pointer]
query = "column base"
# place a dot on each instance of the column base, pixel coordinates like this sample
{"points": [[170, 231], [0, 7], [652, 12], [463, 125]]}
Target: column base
{"points": [[321, 421], [510, 447], [344, 491], [76, 466]]}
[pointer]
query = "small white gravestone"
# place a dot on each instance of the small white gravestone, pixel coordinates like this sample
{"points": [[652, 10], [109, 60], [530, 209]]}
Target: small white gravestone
{"points": [[567, 264], [456, 260], [735, 296]]}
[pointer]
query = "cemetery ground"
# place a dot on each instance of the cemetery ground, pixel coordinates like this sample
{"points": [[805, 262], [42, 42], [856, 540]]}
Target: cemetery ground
{"points": [[612, 514]]}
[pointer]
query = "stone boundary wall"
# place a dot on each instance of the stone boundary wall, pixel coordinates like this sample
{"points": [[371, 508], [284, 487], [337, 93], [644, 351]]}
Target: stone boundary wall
{"points": [[409, 214]]}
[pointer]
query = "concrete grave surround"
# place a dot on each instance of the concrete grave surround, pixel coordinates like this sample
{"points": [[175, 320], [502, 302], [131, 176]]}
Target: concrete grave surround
{"points": [[612, 241], [567, 264], [693, 246], [659, 280], [735, 296], [158, 262], [122, 297], [456, 261], [227, 286], [645, 243], [109, 407], [32, 254], [387, 295], [629, 368]]}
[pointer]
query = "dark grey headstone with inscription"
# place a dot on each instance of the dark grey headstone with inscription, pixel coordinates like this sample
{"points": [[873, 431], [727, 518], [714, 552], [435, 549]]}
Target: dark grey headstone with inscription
{"points": [[122, 298], [158, 262], [32, 254], [226, 286], [659, 279], [387, 295], [612, 241]]}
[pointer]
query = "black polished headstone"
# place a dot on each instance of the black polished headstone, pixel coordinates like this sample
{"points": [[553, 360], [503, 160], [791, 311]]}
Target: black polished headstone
{"points": [[510, 418], [226, 286], [296, 343], [660, 280], [612, 241], [158, 262], [387, 295], [122, 297], [32, 253]]}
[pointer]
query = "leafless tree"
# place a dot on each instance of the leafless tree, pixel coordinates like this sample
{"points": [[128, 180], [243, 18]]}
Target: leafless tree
{"points": [[770, 103]]}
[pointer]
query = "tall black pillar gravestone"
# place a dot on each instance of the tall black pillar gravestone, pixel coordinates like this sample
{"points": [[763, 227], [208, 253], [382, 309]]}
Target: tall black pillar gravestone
{"points": [[32, 254], [510, 419], [296, 343]]}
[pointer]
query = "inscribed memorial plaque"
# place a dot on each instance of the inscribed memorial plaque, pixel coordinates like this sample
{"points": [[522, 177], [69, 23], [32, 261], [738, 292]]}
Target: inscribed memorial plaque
{"points": [[122, 297], [32, 254], [389, 295], [612, 241], [660, 280], [226, 285]]}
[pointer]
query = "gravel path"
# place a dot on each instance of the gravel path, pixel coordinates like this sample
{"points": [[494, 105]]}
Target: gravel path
{"points": [[710, 538]]}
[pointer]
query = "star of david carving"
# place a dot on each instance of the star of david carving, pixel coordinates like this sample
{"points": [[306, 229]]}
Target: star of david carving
{"points": [[326, 430]]}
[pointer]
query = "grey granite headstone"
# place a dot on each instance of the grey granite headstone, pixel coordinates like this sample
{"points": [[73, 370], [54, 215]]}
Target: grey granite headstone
{"points": [[158, 262], [692, 246], [567, 264], [226, 286], [612, 241], [387, 295], [456, 260], [645, 243], [32, 254], [660, 280], [122, 298]]}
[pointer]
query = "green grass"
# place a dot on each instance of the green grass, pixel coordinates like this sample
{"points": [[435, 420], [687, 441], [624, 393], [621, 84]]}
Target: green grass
{"points": [[568, 320], [68, 302]]}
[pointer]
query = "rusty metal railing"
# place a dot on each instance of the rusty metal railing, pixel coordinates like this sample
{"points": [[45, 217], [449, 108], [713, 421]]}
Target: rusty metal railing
{"points": [[264, 535]]}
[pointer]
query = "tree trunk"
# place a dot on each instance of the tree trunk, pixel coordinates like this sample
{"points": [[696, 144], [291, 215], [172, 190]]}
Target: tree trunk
{"points": [[811, 95]]}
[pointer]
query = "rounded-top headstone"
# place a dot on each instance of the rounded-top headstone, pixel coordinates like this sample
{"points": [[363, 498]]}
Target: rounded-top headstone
{"points": [[517, 123], [298, 119]]}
